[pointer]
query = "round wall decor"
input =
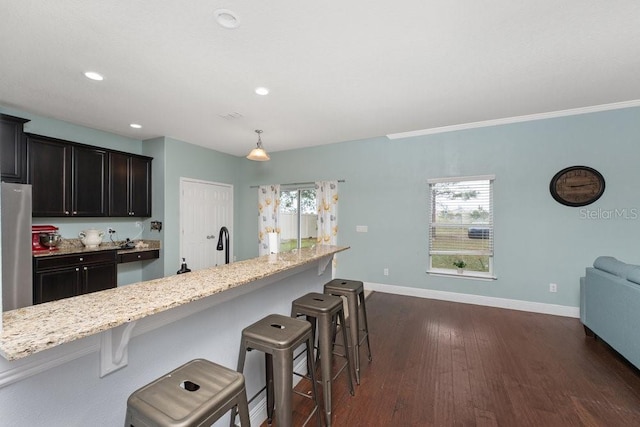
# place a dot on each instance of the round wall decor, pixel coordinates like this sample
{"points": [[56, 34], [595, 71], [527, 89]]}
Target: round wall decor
{"points": [[577, 186]]}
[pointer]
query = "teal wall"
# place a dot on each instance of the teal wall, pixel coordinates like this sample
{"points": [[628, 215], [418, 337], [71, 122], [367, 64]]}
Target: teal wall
{"points": [[537, 240], [156, 148]]}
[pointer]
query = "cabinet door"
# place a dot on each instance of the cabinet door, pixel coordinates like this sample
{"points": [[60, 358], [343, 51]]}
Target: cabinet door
{"points": [[56, 284], [89, 182], [129, 185], [118, 184], [13, 153], [140, 183], [49, 172], [99, 277]]}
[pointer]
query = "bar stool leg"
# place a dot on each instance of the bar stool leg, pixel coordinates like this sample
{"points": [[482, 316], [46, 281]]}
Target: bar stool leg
{"points": [[243, 409], [282, 379], [234, 410], [366, 323], [354, 331], [345, 343], [325, 344], [314, 387], [268, 361]]}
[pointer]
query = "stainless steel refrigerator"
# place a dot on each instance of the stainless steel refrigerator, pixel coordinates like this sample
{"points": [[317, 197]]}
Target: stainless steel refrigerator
{"points": [[15, 216]]}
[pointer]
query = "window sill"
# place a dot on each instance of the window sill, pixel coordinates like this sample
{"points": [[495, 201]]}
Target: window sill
{"points": [[463, 275]]}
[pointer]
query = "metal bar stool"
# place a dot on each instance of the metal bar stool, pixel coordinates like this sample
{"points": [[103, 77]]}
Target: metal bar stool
{"points": [[326, 311], [353, 290], [196, 394], [277, 336]]}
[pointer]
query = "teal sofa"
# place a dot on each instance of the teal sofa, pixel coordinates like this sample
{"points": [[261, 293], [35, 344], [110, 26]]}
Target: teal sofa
{"points": [[610, 305]]}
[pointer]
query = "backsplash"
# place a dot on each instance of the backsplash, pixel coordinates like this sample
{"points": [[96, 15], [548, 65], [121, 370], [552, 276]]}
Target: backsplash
{"points": [[125, 227]]}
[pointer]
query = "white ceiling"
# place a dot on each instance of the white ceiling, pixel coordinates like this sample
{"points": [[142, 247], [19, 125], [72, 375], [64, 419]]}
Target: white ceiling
{"points": [[337, 70]]}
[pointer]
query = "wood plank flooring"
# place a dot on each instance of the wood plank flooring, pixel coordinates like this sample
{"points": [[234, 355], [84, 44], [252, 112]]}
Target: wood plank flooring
{"points": [[438, 363]]}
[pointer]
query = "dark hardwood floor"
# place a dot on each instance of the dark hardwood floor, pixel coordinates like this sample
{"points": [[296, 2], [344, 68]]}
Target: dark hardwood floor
{"points": [[438, 363]]}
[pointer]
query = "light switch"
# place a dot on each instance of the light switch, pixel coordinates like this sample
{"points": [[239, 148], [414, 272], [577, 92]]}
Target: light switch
{"points": [[362, 228]]}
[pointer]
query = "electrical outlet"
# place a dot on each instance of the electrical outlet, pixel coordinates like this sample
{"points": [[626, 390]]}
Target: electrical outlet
{"points": [[386, 271], [138, 224], [553, 287]]}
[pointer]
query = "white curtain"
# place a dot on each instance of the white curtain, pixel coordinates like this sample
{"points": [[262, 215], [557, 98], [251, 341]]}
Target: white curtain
{"points": [[327, 202], [268, 208]]}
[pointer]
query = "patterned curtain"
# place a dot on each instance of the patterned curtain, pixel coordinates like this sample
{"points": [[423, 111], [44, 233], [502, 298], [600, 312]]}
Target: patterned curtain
{"points": [[327, 202], [268, 208]]}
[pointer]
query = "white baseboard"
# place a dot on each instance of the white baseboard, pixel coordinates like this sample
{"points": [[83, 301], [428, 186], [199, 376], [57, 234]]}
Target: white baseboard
{"points": [[535, 307]]}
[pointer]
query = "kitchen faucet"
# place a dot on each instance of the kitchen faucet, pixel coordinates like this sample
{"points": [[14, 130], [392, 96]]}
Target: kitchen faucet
{"points": [[224, 231]]}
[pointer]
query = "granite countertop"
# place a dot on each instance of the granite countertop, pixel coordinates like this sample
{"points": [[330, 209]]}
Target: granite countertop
{"points": [[33, 329], [75, 246]]}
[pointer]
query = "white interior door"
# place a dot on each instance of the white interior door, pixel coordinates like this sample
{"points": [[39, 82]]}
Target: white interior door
{"points": [[205, 207]]}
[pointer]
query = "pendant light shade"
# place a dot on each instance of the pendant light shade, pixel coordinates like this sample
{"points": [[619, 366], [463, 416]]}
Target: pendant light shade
{"points": [[258, 154]]}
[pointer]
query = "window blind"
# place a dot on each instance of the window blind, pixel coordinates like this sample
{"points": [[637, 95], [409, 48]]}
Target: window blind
{"points": [[461, 220]]}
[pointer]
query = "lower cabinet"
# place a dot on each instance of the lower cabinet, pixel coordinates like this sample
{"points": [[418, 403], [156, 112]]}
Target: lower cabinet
{"points": [[63, 276]]}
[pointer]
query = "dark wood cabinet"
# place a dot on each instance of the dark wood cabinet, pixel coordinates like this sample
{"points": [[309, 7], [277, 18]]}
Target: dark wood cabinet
{"points": [[64, 276], [129, 185], [49, 172], [99, 277], [138, 256], [70, 179], [13, 151], [89, 181], [56, 284], [67, 179]]}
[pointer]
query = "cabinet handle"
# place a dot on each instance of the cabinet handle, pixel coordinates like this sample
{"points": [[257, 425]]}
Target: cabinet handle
{"points": [[85, 269], [81, 259], [77, 268], [75, 212], [66, 212], [139, 256]]}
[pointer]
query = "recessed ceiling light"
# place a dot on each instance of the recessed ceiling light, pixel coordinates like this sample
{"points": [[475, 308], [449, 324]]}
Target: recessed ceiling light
{"points": [[227, 18], [93, 76], [135, 126], [262, 91]]}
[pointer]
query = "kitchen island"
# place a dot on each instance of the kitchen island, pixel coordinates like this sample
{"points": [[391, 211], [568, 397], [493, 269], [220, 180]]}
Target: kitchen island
{"points": [[93, 350]]}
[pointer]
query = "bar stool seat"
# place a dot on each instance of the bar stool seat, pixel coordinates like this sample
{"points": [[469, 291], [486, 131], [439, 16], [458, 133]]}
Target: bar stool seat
{"points": [[353, 291], [196, 394], [277, 336], [326, 311]]}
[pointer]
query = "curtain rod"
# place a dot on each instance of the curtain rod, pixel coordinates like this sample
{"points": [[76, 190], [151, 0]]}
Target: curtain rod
{"points": [[297, 183]]}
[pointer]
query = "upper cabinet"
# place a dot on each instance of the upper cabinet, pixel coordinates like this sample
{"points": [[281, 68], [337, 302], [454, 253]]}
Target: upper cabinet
{"points": [[68, 179], [77, 180], [129, 185], [13, 153]]}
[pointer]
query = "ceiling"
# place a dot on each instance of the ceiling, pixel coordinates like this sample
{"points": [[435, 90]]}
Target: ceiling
{"points": [[336, 71]]}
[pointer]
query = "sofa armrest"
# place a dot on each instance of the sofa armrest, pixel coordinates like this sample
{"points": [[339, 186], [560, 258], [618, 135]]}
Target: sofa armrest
{"points": [[583, 300]]}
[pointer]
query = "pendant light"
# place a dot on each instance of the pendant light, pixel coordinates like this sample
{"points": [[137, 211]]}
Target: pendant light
{"points": [[258, 154]]}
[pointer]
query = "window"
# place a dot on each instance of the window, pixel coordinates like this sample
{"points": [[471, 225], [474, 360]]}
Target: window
{"points": [[298, 218], [461, 226]]}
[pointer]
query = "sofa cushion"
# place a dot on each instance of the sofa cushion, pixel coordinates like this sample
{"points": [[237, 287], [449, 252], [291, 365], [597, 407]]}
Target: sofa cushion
{"points": [[613, 266], [634, 275]]}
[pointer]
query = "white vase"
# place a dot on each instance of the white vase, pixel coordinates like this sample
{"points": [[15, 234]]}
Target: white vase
{"points": [[91, 238]]}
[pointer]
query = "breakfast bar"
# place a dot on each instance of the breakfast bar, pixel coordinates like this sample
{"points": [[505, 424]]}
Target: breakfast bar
{"points": [[198, 314]]}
